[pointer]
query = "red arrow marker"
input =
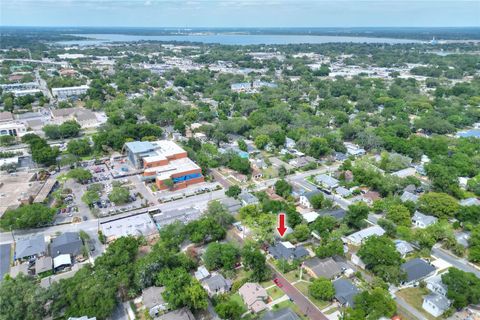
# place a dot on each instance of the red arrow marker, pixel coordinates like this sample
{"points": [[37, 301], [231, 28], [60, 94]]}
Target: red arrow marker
{"points": [[281, 224]]}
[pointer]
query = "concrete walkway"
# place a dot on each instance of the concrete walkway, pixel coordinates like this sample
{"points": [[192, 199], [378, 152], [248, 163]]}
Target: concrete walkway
{"points": [[276, 301]]}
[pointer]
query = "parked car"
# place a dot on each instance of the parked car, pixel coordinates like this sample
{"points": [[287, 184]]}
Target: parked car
{"points": [[277, 282]]}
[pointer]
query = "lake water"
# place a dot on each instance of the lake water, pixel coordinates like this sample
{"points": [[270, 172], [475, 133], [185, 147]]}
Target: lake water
{"points": [[231, 39], [470, 133]]}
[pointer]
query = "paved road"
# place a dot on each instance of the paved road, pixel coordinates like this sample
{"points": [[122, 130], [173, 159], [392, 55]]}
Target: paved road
{"points": [[308, 308], [403, 304], [457, 262], [5, 255]]}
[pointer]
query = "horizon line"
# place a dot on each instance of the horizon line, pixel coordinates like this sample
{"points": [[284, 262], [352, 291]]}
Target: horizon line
{"points": [[231, 27]]}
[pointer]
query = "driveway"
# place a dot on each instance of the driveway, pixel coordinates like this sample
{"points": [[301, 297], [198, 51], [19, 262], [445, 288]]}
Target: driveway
{"points": [[457, 262], [404, 305]]}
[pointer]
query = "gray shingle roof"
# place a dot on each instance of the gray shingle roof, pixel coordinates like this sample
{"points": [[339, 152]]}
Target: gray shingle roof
{"points": [[217, 283], [282, 314], [345, 291], [416, 269], [438, 300], [337, 213], [326, 268], [152, 297], [424, 219], [279, 251], [29, 247], [66, 243]]}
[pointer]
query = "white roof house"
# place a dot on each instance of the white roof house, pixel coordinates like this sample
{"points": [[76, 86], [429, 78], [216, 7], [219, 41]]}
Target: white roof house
{"points": [[422, 221], [408, 196], [201, 273], [470, 202], [435, 304], [344, 192], [326, 181], [407, 172], [358, 237], [310, 216], [62, 260]]}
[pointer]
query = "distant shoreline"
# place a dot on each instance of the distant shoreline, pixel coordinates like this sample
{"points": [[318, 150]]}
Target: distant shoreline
{"points": [[411, 33]]}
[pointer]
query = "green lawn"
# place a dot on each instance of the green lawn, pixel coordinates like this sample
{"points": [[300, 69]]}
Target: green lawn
{"points": [[414, 297], [293, 275], [267, 284], [303, 287], [275, 293], [236, 297]]}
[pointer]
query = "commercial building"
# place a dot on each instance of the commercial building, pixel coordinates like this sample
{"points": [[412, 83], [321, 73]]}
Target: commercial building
{"points": [[13, 128], [164, 161], [85, 117], [69, 92], [136, 225]]}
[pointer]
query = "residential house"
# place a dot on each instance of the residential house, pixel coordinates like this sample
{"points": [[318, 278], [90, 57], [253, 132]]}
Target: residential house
{"points": [[247, 198], [43, 264], [343, 192], [306, 198], [256, 174], [282, 314], [403, 247], [326, 182], [201, 273], [62, 261], [286, 250], [301, 162], [436, 285], [254, 296], [404, 173], [358, 237], [416, 270], [216, 284], [463, 238], [179, 314], [153, 300], [408, 196], [289, 143], [354, 150], [339, 156], [33, 247], [310, 216], [345, 292], [326, 268], [469, 202], [435, 304], [66, 243], [338, 214], [422, 221], [370, 197]]}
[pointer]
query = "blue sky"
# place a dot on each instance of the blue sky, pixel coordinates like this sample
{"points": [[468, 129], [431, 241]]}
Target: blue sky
{"points": [[240, 13]]}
